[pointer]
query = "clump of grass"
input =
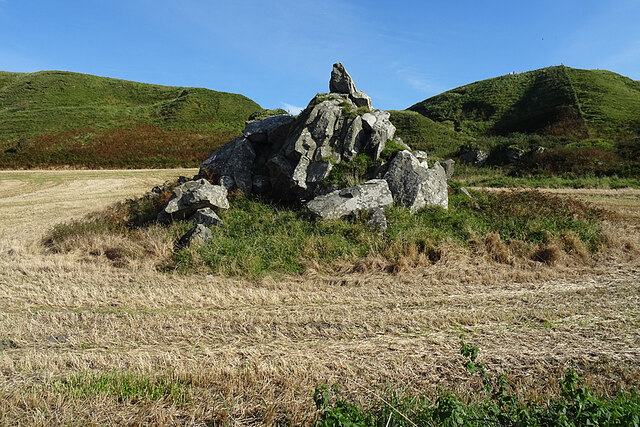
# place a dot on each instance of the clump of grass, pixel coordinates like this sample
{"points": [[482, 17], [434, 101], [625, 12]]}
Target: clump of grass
{"points": [[390, 149], [350, 172], [125, 386]]}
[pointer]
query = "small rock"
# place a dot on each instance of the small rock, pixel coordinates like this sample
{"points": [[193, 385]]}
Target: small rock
{"points": [[377, 220], [448, 166], [464, 191], [205, 216], [197, 235], [475, 157], [193, 195]]}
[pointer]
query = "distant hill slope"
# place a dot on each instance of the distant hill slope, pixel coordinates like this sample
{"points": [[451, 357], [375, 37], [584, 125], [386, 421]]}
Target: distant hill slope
{"points": [[559, 101], [54, 118]]}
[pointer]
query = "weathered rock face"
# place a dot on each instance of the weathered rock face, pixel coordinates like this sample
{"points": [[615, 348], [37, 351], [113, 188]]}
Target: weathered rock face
{"points": [[233, 160], [269, 129], [415, 185], [193, 195], [341, 81], [348, 201]]}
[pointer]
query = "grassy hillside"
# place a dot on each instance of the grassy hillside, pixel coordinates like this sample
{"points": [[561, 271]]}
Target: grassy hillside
{"points": [[588, 121], [422, 133], [560, 101], [53, 118]]}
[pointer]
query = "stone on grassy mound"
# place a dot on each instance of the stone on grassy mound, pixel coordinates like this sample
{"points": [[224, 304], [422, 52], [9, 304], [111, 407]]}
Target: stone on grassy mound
{"points": [[414, 185], [191, 196], [199, 234], [370, 195]]}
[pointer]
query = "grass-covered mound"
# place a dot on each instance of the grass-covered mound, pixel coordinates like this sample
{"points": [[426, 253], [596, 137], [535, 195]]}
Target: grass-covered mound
{"points": [[54, 118], [257, 239]]}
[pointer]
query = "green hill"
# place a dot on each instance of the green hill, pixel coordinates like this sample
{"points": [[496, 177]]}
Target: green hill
{"points": [[54, 118], [558, 101], [588, 120]]}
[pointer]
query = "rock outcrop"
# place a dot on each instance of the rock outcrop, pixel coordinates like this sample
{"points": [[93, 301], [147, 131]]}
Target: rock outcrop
{"points": [[288, 158]]}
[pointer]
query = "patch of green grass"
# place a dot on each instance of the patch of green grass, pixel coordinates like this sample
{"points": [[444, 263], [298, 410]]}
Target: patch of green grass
{"points": [[54, 118], [350, 172], [575, 405], [391, 147], [422, 133], [125, 386]]}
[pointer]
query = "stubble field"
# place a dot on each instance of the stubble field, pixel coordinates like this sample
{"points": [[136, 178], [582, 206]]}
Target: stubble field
{"points": [[86, 343]]}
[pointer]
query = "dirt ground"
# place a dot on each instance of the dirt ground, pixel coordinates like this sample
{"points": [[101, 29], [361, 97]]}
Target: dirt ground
{"points": [[251, 352]]}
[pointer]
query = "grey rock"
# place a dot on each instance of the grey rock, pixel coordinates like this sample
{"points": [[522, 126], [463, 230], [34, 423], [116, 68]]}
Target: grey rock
{"points": [[348, 201], [377, 220], [448, 166], [353, 139], [341, 81], [414, 185], [267, 129], [421, 155], [205, 216], [299, 175], [193, 195], [197, 235], [465, 192], [361, 99], [368, 120], [475, 157], [382, 131], [227, 182], [318, 171], [280, 172], [233, 159]]}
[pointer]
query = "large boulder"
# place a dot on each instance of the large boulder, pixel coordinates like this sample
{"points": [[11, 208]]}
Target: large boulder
{"points": [[349, 201], [233, 160], [341, 81], [415, 185], [193, 195], [268, 129]]}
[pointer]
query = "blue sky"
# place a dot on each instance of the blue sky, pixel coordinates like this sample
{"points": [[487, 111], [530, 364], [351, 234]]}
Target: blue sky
{"points": [[279, 53]]}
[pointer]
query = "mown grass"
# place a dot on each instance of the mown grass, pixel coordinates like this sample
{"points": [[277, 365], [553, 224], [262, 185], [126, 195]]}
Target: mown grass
{"points": [[258, 239], [54, 118]]}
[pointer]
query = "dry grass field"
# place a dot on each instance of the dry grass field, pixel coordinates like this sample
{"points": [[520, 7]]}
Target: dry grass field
{"points": [[86, 343]]}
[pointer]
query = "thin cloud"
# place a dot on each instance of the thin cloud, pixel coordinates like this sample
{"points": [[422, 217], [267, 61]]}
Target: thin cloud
{"points": [[418, 81], [292, 109]]}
